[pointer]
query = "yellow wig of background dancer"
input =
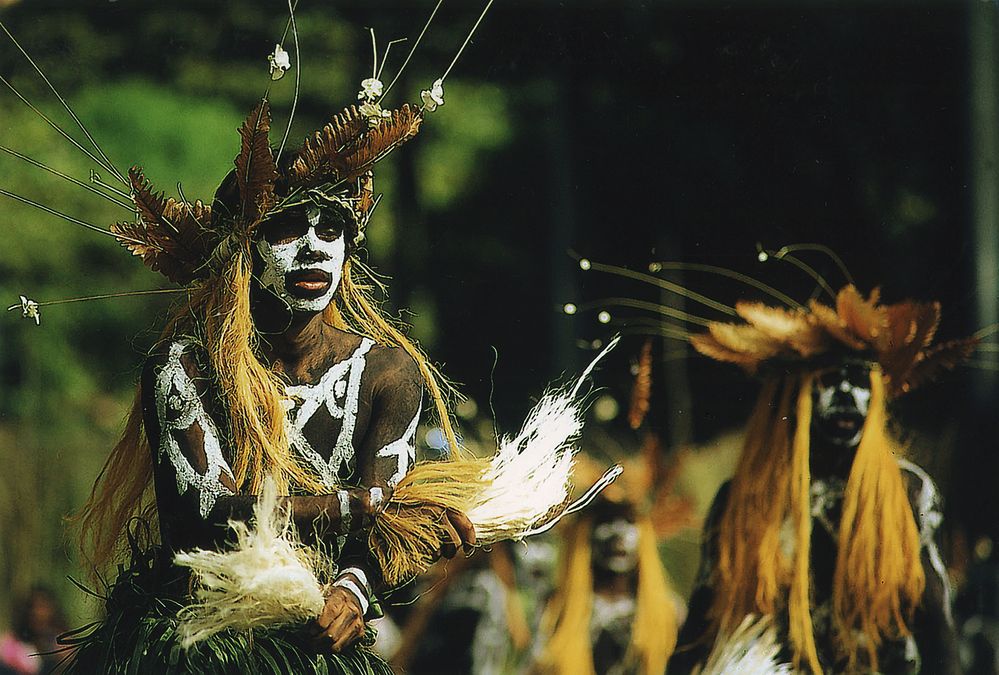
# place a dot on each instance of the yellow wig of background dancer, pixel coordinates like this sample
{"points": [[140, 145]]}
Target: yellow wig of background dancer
{"points": [[566, 623], [878, 580]]}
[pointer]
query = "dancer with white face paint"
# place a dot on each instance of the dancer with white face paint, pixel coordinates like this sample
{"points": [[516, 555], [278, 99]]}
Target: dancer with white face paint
{"points": [[613, 611], [825, 529], [279, 367]]}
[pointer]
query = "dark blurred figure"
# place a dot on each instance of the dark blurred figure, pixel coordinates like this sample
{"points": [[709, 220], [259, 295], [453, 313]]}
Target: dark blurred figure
{"points": [[27, 649], [977, 609]]}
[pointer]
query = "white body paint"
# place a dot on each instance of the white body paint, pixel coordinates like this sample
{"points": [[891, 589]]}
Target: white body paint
{"points": [[930, 517], [403, 449], [338, 390], [827, 494], [344, 498], [178, 406], [280, 259]]}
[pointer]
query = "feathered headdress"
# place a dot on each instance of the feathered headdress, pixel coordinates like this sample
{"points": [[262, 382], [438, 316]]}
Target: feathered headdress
{"points": [[899, 337], [180, 239]]}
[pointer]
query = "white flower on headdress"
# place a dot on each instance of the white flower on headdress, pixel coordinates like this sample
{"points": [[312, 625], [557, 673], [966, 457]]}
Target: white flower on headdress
{"points": [[29, 310], [371, 89], [280, 62], [434, 96], [374, 114]]}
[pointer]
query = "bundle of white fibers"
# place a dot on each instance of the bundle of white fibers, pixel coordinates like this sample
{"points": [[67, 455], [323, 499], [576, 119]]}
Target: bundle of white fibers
{"points": [[751, 649], [268, 578], [529, 479]]}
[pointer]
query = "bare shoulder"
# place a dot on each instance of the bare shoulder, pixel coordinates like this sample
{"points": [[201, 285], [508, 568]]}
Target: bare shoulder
{"points": [[393, 366], [183, 352]]}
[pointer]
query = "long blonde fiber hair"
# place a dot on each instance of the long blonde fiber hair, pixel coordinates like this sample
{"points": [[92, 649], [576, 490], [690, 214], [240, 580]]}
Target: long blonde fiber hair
{"points": [[878, 579], [567, 617], [216, 314]]}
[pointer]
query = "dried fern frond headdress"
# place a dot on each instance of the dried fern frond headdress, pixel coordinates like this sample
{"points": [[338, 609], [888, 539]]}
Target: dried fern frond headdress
{"points": [[898, 337], [187, 241]]}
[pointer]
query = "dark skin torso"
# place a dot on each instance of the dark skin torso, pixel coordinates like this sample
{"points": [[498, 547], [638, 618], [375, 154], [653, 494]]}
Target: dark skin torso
{"points": [[300, 348]]}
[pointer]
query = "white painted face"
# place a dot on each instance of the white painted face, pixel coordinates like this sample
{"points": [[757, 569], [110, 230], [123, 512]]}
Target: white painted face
{"points": [[303, 268], [615, 545], [841, 399]]}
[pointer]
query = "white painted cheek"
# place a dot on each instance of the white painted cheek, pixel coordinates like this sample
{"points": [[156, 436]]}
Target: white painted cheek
{"points": [[825, 398], [863, 400], [337, 252], [278, 260]]}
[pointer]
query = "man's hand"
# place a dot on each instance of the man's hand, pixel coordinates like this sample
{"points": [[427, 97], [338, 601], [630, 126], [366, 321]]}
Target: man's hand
{"points": [[461, 532], [341, 623]]}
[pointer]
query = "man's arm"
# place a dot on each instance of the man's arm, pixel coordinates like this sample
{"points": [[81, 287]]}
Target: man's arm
{"points": [[384, 455]]}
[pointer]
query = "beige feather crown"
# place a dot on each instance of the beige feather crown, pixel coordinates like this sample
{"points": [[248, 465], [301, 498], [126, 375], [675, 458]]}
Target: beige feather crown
{"points": [[179, 239], [898, 337]]}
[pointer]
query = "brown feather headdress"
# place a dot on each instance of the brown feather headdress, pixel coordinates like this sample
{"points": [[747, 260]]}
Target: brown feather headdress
{"points": [[180, 239], [898, 337]]}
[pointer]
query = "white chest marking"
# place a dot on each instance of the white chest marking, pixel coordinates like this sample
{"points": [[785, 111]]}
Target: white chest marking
{"points": [[178, 407], [403, 449], [338, 391]]}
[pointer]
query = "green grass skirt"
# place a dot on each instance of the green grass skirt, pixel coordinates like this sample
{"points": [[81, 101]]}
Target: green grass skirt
{"points": [[139, 635]]}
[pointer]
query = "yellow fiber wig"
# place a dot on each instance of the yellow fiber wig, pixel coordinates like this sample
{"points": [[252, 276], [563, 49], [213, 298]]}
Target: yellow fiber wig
{"points": [[567, 618], [878, 579]]}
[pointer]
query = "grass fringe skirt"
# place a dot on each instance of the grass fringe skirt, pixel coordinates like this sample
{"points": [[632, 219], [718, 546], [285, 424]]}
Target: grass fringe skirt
{"points": [[139, 635]]}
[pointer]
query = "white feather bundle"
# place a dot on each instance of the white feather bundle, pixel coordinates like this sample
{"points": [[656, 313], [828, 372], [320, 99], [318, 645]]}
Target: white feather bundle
{"points": [[751, 649], [268, 578], [529, 474], [529, 478]]}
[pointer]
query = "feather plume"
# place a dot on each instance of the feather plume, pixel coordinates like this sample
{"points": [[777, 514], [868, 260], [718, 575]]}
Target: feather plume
{"points": [[269, 578], [864, 318], [751, 649], [945, 356], [706, 344], [175, 239], [522, 490], [790, 327], [256, 172], [641, 390], [347, 147], [914, 326], [828, 320], [745, 339]]}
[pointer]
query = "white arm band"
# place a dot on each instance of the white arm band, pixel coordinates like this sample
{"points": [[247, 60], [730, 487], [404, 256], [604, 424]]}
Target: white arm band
{"points": [[348, 583], [361, 576]]}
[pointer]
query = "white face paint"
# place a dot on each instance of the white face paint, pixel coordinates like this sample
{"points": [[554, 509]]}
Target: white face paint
{"points": [[304, 272], [615, 546], [841, 399]]}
